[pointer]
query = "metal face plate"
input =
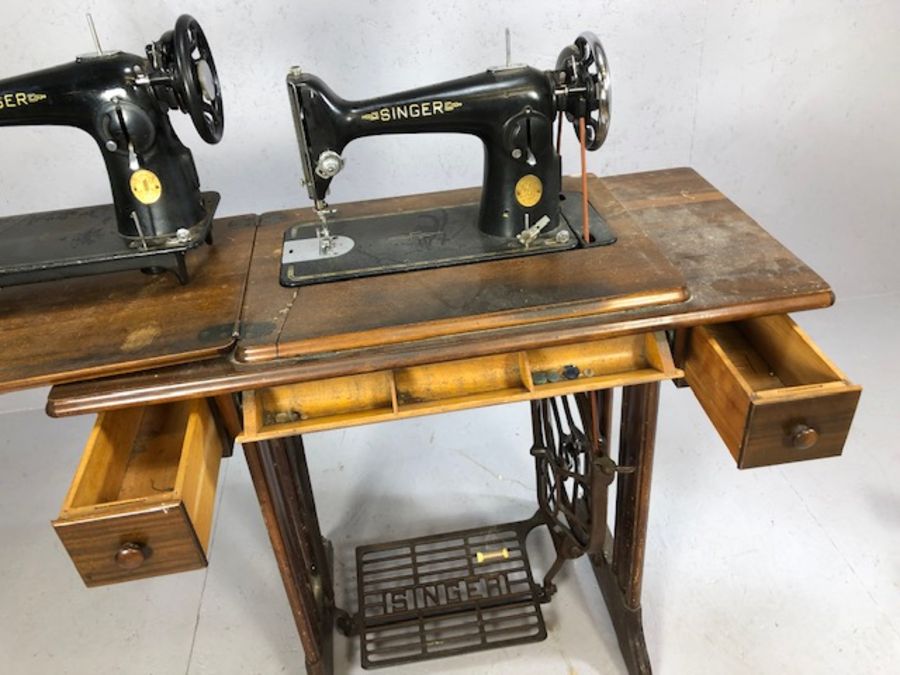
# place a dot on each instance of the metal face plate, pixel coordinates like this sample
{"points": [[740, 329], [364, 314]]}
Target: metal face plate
{"points": [[301, 250], [435, 596]]}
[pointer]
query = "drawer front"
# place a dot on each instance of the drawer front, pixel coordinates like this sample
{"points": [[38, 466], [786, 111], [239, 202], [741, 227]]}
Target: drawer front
{"points": [[133, 545], [809, 427], [769, 391]]}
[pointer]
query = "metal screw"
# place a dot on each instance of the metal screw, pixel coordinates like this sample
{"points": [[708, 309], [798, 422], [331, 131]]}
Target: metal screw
{"points": [[111, 145], [562, 237], [517, 153], [295, 71], [183, 234]]}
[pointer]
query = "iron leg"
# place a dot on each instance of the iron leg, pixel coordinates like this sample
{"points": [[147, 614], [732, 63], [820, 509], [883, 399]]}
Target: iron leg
{"points": [[281, 479], [619, 570]]}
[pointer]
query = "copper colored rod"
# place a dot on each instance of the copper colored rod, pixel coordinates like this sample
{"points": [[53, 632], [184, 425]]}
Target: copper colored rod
{"points": [[559, 119], [585, 226], [595, 423]]}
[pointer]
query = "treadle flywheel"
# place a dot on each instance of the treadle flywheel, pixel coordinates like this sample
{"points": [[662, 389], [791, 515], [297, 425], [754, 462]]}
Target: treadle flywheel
{"points": [[446, 594]]}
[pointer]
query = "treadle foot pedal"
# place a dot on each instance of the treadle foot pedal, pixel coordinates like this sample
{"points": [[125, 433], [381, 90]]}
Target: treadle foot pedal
{"points": [[446, 594]]}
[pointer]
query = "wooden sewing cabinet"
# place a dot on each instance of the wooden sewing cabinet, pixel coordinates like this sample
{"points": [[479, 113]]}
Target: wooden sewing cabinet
{"points": [[694, 291]]}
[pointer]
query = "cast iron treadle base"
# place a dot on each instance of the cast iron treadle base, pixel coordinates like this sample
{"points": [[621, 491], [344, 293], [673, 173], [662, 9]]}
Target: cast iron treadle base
{"points": [[430, 597]]}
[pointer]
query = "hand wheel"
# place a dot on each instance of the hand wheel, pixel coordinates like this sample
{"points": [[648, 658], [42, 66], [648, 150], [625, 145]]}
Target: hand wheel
{"points": [[588, 82], [196, 80]]}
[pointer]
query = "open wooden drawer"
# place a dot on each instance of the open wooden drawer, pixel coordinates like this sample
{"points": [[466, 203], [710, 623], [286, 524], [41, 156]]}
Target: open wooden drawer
{"points": [[770, 392], [455, 385], [141, 502]]}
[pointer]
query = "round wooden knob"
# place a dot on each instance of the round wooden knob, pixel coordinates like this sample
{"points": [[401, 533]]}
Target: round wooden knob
{"points": [[803, 437], [131, 556]]}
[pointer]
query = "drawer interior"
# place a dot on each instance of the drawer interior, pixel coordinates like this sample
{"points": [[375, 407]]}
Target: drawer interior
{"points": [[457, 381], [456, 385], [771, 353], [600, 362], [338, 398], [155, 453], [132, 455]]}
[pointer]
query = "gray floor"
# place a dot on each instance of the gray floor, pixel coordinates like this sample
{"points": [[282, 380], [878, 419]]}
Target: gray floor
{"points": [[787, 569]]}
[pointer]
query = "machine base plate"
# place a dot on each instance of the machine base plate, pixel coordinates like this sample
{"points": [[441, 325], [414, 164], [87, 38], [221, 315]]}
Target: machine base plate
{"points": [[421, 240], [83, 241]]}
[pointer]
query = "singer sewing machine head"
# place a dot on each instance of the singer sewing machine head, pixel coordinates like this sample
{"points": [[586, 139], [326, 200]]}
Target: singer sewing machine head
{"points": [[511, 109], [122, 100]]}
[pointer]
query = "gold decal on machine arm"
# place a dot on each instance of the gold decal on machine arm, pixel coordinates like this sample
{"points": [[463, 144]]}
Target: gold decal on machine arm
{"points": [[145, 186], [411, 110], [529, 190], [16, 99]]}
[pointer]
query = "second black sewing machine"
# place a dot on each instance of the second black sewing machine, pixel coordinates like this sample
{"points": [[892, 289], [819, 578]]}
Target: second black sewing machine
{"points": [[522, 211], [122, 100]]}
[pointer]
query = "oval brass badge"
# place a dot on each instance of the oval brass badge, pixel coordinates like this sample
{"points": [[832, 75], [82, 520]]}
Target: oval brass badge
{"points": [[529, 190], [145, 186]]}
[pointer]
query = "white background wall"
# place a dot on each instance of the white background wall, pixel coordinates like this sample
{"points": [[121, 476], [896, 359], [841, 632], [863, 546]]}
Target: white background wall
{"points": [[792, 109]]}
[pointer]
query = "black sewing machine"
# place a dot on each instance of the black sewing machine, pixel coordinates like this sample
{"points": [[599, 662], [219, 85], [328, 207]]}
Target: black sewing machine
{"points": [[522, 209], [122, 100]]}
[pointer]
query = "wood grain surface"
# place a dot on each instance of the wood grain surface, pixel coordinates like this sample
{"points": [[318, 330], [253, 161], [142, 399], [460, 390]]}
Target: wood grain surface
{"points": [[148, 479], [76, 329], [733, 269], [424, 304], [412, 391], [761, 379], [164, 528]]}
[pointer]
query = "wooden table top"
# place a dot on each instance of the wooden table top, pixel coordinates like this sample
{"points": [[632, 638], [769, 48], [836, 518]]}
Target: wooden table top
{"points": [[731, 269], [426, 304], [88, 327]]}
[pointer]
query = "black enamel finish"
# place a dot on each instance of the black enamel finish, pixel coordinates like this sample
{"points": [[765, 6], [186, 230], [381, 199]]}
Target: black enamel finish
{"points": [[122, 100], [510, 109]]}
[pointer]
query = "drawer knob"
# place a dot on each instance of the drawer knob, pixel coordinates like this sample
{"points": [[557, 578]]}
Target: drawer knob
{"points": [[131, 556], [803, 437]]}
